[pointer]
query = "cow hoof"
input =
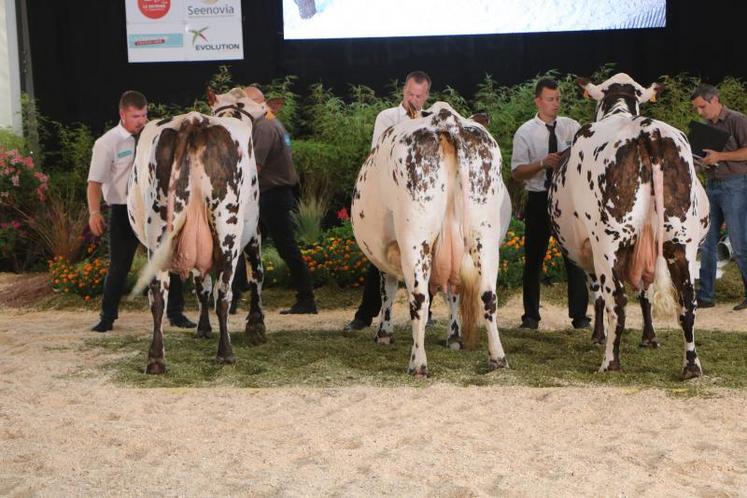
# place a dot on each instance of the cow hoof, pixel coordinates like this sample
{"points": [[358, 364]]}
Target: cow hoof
{"points": [[691, 372], [455, 344], [613, 366], [420, 373], [156, 366], [496, 364], [383, 338], [227, 360], [204, 333], [649, 343], [255, 333]]}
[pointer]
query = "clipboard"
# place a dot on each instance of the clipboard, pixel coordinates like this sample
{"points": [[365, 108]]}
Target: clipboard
{"points": [[703, 136]]}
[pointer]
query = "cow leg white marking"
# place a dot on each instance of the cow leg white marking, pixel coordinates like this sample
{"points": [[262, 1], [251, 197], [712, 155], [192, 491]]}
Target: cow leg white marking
{"points": [[496, 354], [615, 301], [597, 334], [203, 289], [648, 336], [453, 331], [255, 320], [388, 285], [416, 280], [158, 294]]}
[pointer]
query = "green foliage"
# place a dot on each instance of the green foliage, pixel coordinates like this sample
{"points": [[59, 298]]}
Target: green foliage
{"points": [[85, 278], [222, 81], [289, 113], [512, 259], [308, 218], [326, 169], [9, 139]]}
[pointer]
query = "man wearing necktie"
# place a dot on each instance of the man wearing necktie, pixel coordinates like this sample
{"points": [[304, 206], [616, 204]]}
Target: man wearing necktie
{"points": [[536, 152]]}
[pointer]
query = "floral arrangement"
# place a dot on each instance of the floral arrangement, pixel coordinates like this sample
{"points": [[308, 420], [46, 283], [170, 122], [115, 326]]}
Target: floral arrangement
{"points": [[85, 278], [512, 258]]}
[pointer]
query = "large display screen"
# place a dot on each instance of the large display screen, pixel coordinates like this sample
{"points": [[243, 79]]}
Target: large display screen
{"points": [[315, 19], [183, 30]]}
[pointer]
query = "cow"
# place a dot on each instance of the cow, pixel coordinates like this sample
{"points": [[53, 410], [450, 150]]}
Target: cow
{"points": [[193, 202], [627, 206], [430, 208]]}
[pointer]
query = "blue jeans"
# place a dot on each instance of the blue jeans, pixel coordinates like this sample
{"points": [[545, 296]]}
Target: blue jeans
{"points": [[728, 198]]}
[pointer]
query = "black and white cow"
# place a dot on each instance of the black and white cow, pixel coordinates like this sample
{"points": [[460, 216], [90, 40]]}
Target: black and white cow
{"points": [[628, 207], [430, 208], [193, 202]]}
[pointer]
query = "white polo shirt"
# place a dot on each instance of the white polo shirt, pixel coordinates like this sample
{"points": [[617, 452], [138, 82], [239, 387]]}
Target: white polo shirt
{"points": [[531, 142], [111, 162], [385, 119]]}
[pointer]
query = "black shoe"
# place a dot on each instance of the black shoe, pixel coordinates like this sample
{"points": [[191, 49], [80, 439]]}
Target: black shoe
{"points": [[581, 323], [355, 325], [741, 306], [303, 307], [529, 323], [103, 326], [182, 322], [706, 304]]}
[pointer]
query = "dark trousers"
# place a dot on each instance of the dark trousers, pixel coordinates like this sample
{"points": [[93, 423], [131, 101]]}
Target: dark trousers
{"points": [[122, 246], [275, 208], [536, 239]]}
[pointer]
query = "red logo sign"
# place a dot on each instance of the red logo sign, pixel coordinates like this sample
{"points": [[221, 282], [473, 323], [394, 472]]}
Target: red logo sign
{"points": [[154, 9]]}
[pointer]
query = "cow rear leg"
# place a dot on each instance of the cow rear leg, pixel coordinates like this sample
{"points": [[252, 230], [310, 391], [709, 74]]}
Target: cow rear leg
{"points": [[597, 334], [453, 331], [648, 336], [679, 268], [203, 288], [157, 295], [385, 333], [496, 354], [222, 305], [615, 301], [255, 320]]}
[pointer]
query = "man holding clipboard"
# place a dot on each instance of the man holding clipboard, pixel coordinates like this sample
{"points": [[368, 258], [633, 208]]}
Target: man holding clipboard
{"points": [[726, 174]]}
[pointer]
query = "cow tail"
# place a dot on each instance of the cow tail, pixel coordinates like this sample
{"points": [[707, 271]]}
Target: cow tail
{"points": [[470, 306], [663, 302]]}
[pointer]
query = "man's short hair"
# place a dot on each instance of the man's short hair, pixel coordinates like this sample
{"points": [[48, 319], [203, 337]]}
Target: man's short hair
{"points": [[545, 83], [706, 91], [132, 98], [419, 77]]}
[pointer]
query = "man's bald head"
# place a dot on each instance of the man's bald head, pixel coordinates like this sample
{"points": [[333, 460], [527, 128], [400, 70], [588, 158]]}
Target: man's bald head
{"points": [[254, 93]]}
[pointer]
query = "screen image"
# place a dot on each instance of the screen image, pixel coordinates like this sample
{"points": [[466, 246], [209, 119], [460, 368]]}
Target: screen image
{"points": [[318, 19]]}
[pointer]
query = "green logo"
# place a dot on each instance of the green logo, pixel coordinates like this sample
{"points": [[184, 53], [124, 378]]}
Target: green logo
{"points": [[197, 33]]}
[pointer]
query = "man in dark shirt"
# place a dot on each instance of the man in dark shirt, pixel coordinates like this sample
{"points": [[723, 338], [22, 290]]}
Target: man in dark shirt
{"points": [[726, 173], [277, 177]]}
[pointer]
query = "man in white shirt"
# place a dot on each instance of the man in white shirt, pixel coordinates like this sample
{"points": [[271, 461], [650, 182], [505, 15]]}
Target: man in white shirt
{"points": [[111, 162], [414, 95], [536, 152]]}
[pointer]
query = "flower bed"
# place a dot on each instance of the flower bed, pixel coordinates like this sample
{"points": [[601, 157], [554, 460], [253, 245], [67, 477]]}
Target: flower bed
{"points": [[85, 278]]}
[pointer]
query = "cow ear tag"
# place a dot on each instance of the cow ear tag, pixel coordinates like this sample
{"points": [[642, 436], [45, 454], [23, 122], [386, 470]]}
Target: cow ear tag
{"points": [[653, 98]]}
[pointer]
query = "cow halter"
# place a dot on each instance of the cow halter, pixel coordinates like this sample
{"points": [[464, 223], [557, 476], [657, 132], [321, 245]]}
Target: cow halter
{"points": [[235, 108]]}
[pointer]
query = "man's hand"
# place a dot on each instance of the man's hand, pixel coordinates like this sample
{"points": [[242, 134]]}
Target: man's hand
{"points": [[711, 157], [96, 224], [551, 160]]}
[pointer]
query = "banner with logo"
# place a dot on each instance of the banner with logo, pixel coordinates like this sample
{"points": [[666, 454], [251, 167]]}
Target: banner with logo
{"points": [[184, 30]]}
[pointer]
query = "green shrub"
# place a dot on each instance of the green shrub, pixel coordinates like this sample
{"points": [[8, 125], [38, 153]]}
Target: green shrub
{"points": [[9, 139]]}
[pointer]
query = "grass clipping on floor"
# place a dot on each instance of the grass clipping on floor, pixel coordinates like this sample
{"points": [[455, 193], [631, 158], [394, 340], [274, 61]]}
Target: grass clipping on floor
{"points": [[329, 359]]}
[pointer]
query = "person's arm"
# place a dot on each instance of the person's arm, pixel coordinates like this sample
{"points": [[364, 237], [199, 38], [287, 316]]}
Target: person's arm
{"points": [[98, 173], [263, 137], [713, 157], [95, 219]]}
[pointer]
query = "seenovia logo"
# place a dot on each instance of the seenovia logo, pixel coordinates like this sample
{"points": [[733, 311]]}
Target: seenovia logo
{"points": [[210, 8], [154, 9]]}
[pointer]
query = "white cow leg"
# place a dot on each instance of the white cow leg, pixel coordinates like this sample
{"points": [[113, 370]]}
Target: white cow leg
{"points": [[158, 294], [496, 354], [615, 301], [222, 304], [419, 303], [255, 320], [679, 269], [385, 333], [453, 331], [597, 334], [203, 288]]}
